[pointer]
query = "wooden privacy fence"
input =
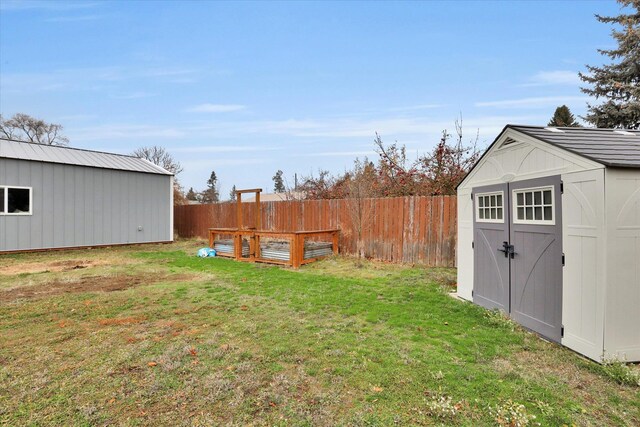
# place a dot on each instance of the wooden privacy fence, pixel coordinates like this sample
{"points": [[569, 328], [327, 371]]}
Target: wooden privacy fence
{"points": [[398, 229]]}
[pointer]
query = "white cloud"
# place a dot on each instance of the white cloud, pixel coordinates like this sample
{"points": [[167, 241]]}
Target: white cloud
{"points": [[8, 5], [222, 149], [215, 108], [534, 102], [133, 95], [558, 77], [416, 107], [119, 132], [91, 78], [339, 154], [80, 18], [214, 162]]}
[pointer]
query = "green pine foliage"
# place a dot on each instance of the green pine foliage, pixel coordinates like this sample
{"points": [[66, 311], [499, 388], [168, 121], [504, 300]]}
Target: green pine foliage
{"points": [[191, 194], [563, 118], [278, 182], [617, 83]]}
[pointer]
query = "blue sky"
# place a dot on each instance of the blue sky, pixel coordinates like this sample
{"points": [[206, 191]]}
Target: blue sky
{"points": [[248, 88]]}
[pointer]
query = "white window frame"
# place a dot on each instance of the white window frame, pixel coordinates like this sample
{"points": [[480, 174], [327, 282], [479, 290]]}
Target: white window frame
{"points": [[514, 205], [5, 193], [477, 210]]}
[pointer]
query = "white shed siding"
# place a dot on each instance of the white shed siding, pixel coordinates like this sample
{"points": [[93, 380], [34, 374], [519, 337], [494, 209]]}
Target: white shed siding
{"points": [[622, 319], [527, 159], [465, 237], [583, 237]]}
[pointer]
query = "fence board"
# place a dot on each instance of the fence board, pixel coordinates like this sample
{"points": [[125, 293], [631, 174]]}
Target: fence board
{"points": [[419, 230]]}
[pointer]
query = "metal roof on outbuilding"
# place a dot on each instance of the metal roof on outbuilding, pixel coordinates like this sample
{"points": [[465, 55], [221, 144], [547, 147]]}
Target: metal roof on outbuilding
{"points": [[610, 147], [74, 156]]}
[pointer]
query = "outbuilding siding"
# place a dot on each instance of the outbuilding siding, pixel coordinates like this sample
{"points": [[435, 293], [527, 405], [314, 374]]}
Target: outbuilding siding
{"points": [[622, 319], [85, 206]]}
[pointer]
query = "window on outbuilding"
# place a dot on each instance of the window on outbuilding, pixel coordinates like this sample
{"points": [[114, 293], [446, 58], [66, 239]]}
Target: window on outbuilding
{"points": [[534, 206], [490, 207], [15, 200]]}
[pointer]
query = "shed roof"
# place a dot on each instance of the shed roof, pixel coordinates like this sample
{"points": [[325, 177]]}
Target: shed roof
{"points": [[75, 156], [610, 147]]}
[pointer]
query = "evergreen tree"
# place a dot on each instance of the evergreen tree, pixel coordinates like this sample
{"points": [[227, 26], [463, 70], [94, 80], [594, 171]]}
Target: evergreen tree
{"points": [[211, 194], [232, 194], [192, 195], [563, 118], [278, 182], [617, 83]]}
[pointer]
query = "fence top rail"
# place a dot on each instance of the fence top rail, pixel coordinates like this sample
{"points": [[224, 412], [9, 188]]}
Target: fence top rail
{"points": [[370, 199], [254, 231]]}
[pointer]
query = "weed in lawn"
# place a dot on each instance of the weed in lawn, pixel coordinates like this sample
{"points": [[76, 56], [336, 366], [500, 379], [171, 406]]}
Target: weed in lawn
{"points": [[621, 372], [499, 319], [512, 414], [443, 406]]}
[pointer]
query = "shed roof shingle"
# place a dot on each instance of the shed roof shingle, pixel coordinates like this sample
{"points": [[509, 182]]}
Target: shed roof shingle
{"points": [[74, 156], [610, 147]]}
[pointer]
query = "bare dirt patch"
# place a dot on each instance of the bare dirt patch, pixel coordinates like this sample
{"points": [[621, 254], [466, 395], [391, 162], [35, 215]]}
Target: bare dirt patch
{"points": [[88, 284], [45, 267]]}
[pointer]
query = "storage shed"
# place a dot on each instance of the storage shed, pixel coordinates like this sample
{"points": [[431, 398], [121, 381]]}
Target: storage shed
{"points": [[59, 197], [549, 232]]}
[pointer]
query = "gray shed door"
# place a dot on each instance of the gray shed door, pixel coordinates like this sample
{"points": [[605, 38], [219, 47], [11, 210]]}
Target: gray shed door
{"points": [[491, 267], [531, 250]]}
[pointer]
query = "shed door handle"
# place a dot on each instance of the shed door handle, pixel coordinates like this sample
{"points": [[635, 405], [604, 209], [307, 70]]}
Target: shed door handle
{"points": [[508, 250]]}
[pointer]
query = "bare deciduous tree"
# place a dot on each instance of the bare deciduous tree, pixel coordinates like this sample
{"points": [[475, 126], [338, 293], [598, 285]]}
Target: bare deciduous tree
{"points": [[159, 156], [360, 188], [436, 173], [395, 175], [449, 162], [23, 127]]}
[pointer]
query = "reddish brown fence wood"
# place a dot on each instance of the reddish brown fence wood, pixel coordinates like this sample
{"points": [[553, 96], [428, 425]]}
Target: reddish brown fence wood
{"points": [[400, 229]]}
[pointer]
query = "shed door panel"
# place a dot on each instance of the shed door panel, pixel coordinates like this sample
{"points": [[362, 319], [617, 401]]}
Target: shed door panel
{"points": [[536, 267], [491, 267]]}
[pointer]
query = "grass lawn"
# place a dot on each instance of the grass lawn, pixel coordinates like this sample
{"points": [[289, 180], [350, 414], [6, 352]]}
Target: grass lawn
{"points": [[152, 335]]}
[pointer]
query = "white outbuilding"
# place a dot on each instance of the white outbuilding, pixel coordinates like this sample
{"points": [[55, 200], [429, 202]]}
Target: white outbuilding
{"points": [[549, 232], [59, 197]]}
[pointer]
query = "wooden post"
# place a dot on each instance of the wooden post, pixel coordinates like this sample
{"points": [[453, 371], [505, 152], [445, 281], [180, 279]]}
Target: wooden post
{"points": [[335, 237], [300, 249], [211, 238], [258, 213], [252, 246], [238, 210], [237, 245], [297, 252], [257, 246], [293, 250]]}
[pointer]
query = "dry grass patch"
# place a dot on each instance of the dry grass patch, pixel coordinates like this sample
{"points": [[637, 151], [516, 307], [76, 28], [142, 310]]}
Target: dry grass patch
{"points": [[561, 369], [52, 266], [107, 283]]}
